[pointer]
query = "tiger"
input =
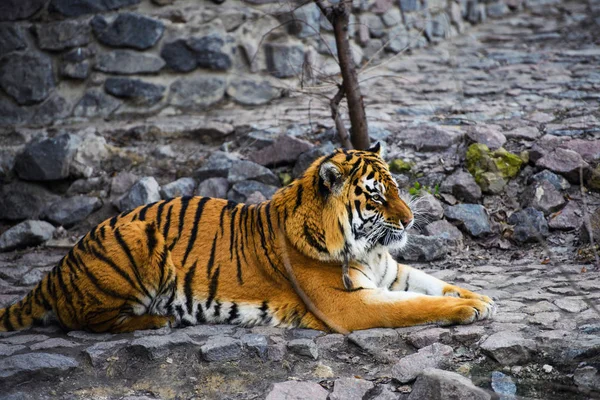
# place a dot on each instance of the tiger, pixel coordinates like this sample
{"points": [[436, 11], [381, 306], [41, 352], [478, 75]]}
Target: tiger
{"points": [[195, 260]]}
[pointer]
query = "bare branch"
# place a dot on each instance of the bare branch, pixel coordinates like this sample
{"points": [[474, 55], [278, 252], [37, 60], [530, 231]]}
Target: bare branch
{"points": [[335, 114]]}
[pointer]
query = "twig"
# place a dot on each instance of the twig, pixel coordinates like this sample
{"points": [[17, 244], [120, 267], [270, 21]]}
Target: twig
{"points": [[586, 221], [335, 114]]}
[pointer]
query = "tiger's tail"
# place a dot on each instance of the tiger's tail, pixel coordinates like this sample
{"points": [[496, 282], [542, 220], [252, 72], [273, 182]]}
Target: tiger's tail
{"points": [[29, 310]]}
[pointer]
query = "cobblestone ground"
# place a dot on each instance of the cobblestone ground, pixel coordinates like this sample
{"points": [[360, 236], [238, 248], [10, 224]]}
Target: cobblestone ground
{"points": [[526, 74]]}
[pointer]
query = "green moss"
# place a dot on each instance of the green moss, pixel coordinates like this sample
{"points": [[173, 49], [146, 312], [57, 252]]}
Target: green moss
{"points": [[285, 178], [593, 179], [492, 169], [398, 166]]}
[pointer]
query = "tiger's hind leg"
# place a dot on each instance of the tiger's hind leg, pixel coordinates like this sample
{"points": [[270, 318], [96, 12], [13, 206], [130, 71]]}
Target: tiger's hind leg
{"points": [[141, 322]]}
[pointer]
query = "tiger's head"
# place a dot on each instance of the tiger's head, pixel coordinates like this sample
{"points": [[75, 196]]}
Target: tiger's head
{"points": [[348, 205]]}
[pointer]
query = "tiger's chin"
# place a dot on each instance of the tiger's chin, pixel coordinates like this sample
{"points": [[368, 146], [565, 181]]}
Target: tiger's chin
{"points": [[398, 242]]}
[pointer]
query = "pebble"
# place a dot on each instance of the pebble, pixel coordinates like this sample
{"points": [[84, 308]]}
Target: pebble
{"points": [[433, 356], [179, 188], [144, 191], [509, 348], [221, 349], [304, 347], [473, 218], [462, 185], [530, 225], [350, 388], [503, 385]]}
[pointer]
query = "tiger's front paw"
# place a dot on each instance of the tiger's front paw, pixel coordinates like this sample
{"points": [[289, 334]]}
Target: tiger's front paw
{"points": [[456, 291], [466, 311]]}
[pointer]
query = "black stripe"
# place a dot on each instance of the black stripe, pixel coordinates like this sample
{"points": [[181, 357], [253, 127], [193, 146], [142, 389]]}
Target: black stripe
{"points": [[217, 312], [180, 311], [189, 279], [298, 196], [143, 211], [211, 259], [268, 217], [113, 221], [231, 233], [66, 293], [112, 264], [263, 241], [357, 208], [356, 165], [233, 313], [212, 287], [7, 324], [361, 271], [159, 212], [103, 232], [185, 202], [151, 238], [406, 285], [162, 265], [134, 265], [192, 239], [221, 216], [94, 280], [168, 223], [264, 310], [312, 241], [351, 290], [200, 315]]}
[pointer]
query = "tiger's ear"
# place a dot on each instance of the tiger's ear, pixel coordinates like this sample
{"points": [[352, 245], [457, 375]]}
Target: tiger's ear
{"points": [[377, 148], [331, 176]]}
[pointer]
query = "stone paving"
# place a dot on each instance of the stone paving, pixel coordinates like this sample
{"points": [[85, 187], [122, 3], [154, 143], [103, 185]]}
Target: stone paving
{"points": [[521, 77]]}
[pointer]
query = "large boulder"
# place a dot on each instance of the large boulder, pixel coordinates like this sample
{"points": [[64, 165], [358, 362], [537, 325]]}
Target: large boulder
{"points": [[67, 212], [26, 77], [472, 217], [144, 191], [436, 384], [27, 233], [47, 160], [22, 200]]}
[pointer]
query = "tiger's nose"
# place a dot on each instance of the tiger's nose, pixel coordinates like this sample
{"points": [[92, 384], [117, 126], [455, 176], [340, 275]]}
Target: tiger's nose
{"points": [[407, 222]]}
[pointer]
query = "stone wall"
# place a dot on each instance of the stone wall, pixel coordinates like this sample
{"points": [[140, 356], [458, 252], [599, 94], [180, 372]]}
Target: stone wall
{"points": [[73, 60]]}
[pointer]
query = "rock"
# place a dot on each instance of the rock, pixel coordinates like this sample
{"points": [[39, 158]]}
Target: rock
{"points": [[509, 348], [99, 352], [308, 157], [138, 91], [543, 196], [27, 233], [301, 333], [489, 135], [462, 185], [70, 8], [431, 138], [7, 350], [423, 248], [433, 356], [213, 187], [25, 338], [564, 162], [400, 39], [305, 21], [218, 165], [53, 343], [62, 35], [144, 191], [213, 51], [27, 77], [570, 217], [286, 149], [128, 30], [558, 182], [22, 200], [409, 5], [503, 385], [492, 169], [24, 365], [88, 158], [157, 346], [284, 60], [221, 349], [589, 150], [95, 103], [248, 170], [468, 334], [530, 225], [444, 229], [435, 384], [523, 132], [472, 217], [75, 70], [13, 10], [377, 337], [304, 347], [252, 91], [295, 390], [428, 207], [202, 91], [572, 305], [350, 389], [587, 377], [69, 211], [428, 336], [48, 159], [256, 343], [128, 62], [374, 23], [573, 126], [179, 188], [178, 56], [11, 39]]}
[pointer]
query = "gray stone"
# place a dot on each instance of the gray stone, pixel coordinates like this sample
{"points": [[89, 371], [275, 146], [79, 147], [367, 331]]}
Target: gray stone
{"points": [[543, 196], [22, 339], [427, 206], [468, 333], [472, 217], [213, 187], [572, 305], [587, 377], [503, 385], [295, 390], [127, 62], [509, 348], [286, 149], [489, 135], [71, 210], [32, 277], [179, 188], [301, 333], [202, 91], [251, 91], [205, 331], [213, 51], [284, 60], [247, 170], [11, 39], [496, 10], [569, 218], [462, 185], [61, 35], [374, 23], [350, 389], [27, 233], [217, 165], [378, 337], [31, 363], [308, 157], [78, 70], [399, 39], [48, 159], [221, 349], [589, 150], [431, 138], [564, 162], [22, 200], [135, 90], [409, 5], [523, 132], [530, 226], [75, 8], [435, 384], [7, 349], [53, 343], [305, 21], [178, 56], [423, 248], [304, 347], [256, 343], [392, 17], [428, 336], [558, 182], [26, 77], [434, 356], [13, 10], [128, 30], [157, 346], [144, 191], [95, 103], [444, 229]]}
